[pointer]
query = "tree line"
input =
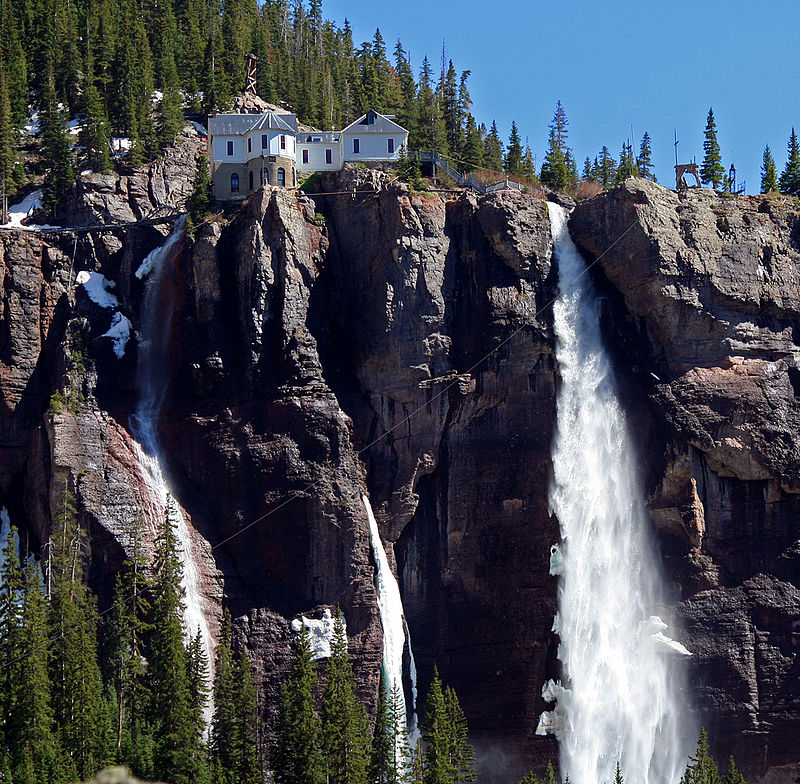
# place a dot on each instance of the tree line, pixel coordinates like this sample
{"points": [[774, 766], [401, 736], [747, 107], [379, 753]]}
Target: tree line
{"points": [[82, 690], [330, 740]]}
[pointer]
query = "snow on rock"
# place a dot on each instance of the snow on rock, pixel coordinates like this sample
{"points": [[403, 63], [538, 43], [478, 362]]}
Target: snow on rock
{"points": [[556, 560], [195, 127], [97, 288], [320, 633], [120, 144], [17, 212], [655, 627], [120, 333], [31, 128]]}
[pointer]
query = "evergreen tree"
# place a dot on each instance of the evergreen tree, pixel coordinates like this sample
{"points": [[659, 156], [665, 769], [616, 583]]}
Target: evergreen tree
{"points": [[382, 767], [493, 150], [643, 162], [431, 132], [448, 755], [95, 135], [513, 160], [529, 778], [179, 756], [627, 164], [408, 169], [345, 737], [452, 110], [472, 154], [406, 111], [55, 147], [790, 177], [550, 774], [606, 172], [701, 768], [711, 170], [554, 173], [618, 775], [78, 702], [528, 167], [732, 775], [769, 173], [7, 147], [297, 754], [588, 172]]}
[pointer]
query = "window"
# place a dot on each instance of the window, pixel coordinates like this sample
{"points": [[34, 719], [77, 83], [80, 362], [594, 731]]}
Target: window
{"points": [[328, 156], [230, 148], [305, 156], [390, 146], [249, 144], [356, 145], [283, 141], [251, 180], [264, 141], [265, 176], [282, 176], [234, 181]]}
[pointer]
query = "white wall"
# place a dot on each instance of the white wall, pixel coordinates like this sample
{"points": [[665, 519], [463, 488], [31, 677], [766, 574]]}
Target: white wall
{"points": [[373, 146], [274, 144], [316, 156], [220, 149]]}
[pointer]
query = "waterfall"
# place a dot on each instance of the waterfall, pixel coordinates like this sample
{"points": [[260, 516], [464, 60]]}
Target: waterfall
{"points": [[152, 375], [619, 701], [393, 622]]}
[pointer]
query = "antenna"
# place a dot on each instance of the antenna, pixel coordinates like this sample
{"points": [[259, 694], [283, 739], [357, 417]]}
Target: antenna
{"points": [[676, 146]]}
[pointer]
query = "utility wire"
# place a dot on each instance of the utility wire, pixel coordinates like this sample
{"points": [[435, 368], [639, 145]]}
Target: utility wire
{"points": [[299, 493]]}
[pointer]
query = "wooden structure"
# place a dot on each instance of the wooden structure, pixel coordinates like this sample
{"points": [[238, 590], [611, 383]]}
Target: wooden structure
{"points": [[685, 168], [251, 83]]}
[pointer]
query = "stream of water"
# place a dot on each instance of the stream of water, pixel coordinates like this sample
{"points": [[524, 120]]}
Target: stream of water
{"points": [[620, 699]]}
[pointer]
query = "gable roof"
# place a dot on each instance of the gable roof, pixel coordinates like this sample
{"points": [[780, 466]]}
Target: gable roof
{"points": [[239, 124], [373, 122]]}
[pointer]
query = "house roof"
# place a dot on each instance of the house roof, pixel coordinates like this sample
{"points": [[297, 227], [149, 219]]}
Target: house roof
{"points": [[240, 124], [320, 137], [373, 122]]}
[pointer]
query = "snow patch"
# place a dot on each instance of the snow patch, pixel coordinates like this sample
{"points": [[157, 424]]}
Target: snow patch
{"points": [[195, 127], [119, 332], [320, 633], [120, 144], [556, 560], [97, 288], [31, 128], [24, 209]]}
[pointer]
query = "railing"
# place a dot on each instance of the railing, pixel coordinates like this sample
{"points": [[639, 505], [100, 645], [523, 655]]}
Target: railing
{"points": [[462, 178]]}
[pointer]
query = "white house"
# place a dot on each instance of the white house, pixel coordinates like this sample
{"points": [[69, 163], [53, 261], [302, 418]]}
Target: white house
{"points": [[250, 150]]}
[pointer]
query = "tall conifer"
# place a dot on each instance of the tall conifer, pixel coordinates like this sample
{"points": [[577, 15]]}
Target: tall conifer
{"points": [[711, 170], [790, 177], [769, 173]]}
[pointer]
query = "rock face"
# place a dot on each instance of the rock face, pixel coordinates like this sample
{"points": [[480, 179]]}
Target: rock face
{"points": [[704, 297], [401, 344]]}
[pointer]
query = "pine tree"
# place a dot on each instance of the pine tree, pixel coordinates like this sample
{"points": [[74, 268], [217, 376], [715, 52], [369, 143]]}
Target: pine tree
{"points": [[79, 706], [382, 766], [297, 754], [55, 147], [627, 164], [528, 167], [550, 774], [431, 131], [513, 160], [493, 150], [406, 111], [711, 170], [606, 169], [529, 778], [473, 146], [732, 775], [7, 147], [790, 177], [452, 112], [701, 768], [554, 171], [448, 755], [95, 135], [345, 735], [179, 756], [618, 779], [769, 173], [643, 162]]}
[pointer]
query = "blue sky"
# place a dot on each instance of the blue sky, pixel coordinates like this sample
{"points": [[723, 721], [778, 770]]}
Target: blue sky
{"points": [[656, 66]]}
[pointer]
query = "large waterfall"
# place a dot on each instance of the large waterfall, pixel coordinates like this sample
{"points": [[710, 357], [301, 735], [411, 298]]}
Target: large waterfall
{"points": [[152, 374], [393, 622], [622, 676]]}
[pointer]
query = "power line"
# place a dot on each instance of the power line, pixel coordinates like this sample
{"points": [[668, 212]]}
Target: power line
{"points": [[299, 493]]}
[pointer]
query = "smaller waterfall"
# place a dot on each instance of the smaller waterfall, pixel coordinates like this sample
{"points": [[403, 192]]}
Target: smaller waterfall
{"points": [[152, 375], [393, 622]]}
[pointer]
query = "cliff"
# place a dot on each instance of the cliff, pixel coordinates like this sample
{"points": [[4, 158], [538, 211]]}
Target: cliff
{"points": [[401, 344]]}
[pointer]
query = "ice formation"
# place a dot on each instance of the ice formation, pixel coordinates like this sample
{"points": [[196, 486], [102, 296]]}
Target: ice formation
{"points": [[151, 378], [119, 332], [622, 704], [320, 633], [390, 606]]}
